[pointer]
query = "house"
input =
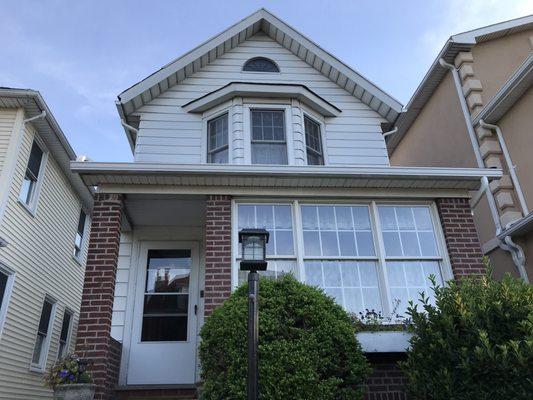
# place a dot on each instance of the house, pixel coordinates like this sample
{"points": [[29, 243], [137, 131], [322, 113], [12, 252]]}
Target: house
{"points": [[473, 109], [44, 227], [257, 127]]}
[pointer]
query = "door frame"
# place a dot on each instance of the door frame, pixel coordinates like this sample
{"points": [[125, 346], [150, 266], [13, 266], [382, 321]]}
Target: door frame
{"points": [[137, 263]]}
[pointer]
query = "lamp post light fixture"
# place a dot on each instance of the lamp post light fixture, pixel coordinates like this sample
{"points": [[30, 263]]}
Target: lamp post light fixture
{"points": [[253, 252]]}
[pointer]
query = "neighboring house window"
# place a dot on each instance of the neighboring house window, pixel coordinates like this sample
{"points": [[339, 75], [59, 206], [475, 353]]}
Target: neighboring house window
{"points": [[260, 64], [313, 142], [44, 331], [78, 241], [217, 134], [269, 143], [366, 256], [65, 334], [31, 177], [277, 219], [6, 283]]}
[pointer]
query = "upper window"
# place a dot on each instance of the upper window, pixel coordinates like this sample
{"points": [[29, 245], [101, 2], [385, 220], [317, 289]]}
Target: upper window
{"points": [[217, 138], [313, 142], [260, 64], [6, 280], [65, 334], [78, 241], [31, 177], [3, 286], [44, 332], [269, 143]]}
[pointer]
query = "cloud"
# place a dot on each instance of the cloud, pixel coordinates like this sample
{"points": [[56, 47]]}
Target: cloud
{"points": [[460, 16]]}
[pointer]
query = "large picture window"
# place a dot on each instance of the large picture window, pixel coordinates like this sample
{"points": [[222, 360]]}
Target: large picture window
{"points": [[366, 256], [268, 141]]}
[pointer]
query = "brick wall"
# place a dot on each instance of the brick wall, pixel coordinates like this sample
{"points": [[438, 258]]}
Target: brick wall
{"points": [[461, 237], [218, 251], [94, 331], [387, 381]]}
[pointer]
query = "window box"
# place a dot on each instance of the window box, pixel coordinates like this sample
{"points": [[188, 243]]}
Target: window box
{"points": [[384, 342]]}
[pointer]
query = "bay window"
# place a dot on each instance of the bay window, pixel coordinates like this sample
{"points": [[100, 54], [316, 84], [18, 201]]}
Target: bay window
{"points": [[268, 137], [366, 256]]}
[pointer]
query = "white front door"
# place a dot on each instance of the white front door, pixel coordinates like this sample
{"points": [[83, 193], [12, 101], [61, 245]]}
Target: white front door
{"points": [[163, 342]]}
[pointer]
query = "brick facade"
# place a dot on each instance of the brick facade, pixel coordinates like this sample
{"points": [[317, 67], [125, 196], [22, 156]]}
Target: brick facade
{"points": [[461, 237], [94, 330], [217, 252], [387, 381]]}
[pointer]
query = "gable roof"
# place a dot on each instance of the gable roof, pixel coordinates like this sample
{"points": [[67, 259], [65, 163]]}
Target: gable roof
{"points": [[262, 20], [436, 73], [50, 132]]}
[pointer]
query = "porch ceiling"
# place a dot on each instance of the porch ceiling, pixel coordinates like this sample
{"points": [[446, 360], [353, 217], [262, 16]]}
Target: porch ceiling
{"points": [[269, 176]]}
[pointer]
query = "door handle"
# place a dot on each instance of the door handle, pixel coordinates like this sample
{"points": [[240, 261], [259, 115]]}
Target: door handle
{"points": [[196, 309]]}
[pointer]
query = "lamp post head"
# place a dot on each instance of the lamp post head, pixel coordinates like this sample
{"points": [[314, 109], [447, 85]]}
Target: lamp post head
{"points": [[253, 246]]}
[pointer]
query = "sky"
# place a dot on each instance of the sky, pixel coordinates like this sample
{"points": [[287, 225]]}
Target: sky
{"points": [[81, 54]]}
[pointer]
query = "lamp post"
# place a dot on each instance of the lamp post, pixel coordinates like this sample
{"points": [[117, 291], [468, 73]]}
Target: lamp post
{"points": [[253, 243]]}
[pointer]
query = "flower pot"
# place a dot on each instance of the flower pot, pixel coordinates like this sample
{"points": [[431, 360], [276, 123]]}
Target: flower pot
{"points": [[77, 391], [384, 341]]}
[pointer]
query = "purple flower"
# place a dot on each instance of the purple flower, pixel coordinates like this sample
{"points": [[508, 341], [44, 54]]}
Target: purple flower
{"points": [[71, 377], [63, 373]]}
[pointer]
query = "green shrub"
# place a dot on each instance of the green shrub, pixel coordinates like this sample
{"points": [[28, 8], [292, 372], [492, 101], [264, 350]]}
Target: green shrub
{"points": [[307, 346], [476, 344]]}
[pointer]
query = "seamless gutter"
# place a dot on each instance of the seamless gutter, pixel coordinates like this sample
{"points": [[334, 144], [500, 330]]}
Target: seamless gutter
{"points": [[98, 168]]}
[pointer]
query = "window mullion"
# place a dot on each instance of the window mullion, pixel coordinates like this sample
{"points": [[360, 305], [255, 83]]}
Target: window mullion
{"points": [[299, 248], [380, 249]]}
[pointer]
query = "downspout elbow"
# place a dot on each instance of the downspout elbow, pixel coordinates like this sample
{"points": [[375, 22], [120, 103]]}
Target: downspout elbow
{"points": [[129, 127], [41, 115], [444, 64], [389, 133]]}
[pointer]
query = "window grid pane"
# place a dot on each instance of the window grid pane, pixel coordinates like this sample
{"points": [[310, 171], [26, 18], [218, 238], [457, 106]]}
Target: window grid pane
{"points": [[276, 219], [337, 231], [408, 231], [275, 269], [353, 284]]}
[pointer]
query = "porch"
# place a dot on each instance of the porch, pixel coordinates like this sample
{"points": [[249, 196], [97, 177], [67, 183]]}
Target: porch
{"points": [[163, 256]]}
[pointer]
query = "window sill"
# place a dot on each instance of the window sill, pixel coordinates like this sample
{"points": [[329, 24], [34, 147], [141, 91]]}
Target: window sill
{"points": [[36, 369], [384, 342], [29, 209]]}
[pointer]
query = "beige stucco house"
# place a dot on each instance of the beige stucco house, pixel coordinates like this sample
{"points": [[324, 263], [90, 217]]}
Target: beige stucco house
{"points": [[44, 225], [474, 109]]}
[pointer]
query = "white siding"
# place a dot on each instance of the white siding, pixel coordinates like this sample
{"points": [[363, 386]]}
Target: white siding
{"points": [[169, 134], [40, 252], [7, 121], [121, 286]]}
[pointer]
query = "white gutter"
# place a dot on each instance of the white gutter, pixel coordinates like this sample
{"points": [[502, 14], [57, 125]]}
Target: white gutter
{"points": [[510, 166], [473, 140]]}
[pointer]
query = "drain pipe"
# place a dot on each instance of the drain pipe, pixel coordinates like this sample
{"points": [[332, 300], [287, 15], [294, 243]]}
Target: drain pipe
{"points": [[392, 132], [475, 146], [510, 166], [129, 127], [41, 115], [507, 244]]}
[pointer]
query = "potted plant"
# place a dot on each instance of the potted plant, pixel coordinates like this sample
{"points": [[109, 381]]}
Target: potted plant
{"points": [[70, 380]]}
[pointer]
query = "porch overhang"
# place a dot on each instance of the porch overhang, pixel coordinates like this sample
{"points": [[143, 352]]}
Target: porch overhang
{"points": [[238, 179]]}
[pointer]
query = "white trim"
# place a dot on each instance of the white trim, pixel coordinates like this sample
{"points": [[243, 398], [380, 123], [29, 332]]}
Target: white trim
{"points": [[41, 366], [7, 294]]}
